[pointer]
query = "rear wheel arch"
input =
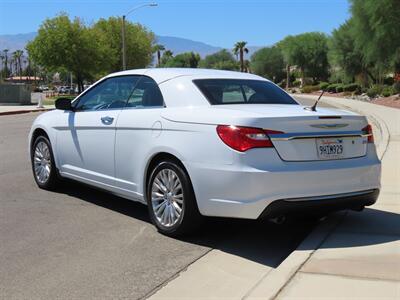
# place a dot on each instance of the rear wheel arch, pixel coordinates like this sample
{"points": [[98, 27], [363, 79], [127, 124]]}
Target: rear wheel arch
{"points": [[190, 217], [154, 161]]}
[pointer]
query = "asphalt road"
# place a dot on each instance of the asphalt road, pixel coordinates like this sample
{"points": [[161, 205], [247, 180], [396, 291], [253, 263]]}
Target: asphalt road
{"points": [[80, 243]]}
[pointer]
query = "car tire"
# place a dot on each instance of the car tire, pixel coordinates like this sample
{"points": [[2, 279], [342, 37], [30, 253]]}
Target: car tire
{"points": [[169, 194], [43, 165]]}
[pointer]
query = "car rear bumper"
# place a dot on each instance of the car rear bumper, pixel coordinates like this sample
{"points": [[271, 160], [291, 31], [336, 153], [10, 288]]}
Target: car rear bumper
{"points": [[243, 191], [320, 205]]}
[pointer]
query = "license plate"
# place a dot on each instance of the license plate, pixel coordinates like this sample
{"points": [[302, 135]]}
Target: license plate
{"points": [[330, 148]]}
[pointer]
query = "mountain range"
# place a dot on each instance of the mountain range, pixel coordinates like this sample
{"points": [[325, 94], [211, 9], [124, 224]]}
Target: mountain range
{"points": [[175, 44]]}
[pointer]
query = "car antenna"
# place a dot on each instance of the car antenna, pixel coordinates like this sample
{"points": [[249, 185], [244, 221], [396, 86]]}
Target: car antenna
{"points": [[314, 107]]}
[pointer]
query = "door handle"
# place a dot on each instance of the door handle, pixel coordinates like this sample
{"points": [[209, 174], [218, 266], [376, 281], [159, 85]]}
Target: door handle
{"points": [[107, 120]]}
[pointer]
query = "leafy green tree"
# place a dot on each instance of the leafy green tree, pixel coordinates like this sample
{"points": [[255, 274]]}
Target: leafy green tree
{"points": [[345, 58], [184, 60], [307, 51], [138, 43], [69, 45], [157, 49], [269, 62], [376, 32], [240, 49], [221, 60]]}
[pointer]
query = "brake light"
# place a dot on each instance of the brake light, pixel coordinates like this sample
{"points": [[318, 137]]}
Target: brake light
{"points": [[245, 138], [368, 130]]}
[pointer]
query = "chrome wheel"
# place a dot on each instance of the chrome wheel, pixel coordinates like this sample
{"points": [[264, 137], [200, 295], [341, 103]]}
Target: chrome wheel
{"points": [[42, 162], [167, 197]]}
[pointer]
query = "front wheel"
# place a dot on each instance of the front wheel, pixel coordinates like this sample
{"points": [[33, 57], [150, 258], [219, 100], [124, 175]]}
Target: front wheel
{"points": [[43, 166], [171, 201]]}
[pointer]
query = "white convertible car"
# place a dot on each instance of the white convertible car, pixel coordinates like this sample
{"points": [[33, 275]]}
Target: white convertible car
{"points": [[191, 143]]}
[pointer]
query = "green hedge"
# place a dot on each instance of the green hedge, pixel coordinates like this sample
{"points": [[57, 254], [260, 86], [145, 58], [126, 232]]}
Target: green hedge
{"points": [[332, 88], [323, 85], [310, 88], [339, 88], [352, 87]]}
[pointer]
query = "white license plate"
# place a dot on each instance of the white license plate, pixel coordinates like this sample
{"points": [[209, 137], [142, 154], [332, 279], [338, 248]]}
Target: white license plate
{"points": [[330, 148]]}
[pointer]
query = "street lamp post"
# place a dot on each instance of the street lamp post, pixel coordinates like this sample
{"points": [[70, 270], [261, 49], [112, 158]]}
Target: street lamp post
{"points": [[123, 30]]}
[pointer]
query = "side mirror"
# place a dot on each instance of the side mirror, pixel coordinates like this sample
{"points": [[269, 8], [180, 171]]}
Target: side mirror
{"points": [[63, 104]]}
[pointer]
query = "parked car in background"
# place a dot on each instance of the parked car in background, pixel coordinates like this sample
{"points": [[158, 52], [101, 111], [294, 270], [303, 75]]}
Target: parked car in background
{"points": [[191, 143]]}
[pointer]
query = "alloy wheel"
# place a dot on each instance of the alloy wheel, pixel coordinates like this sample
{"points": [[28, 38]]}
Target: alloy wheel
{"points": [[42, 162], [167, 197]]}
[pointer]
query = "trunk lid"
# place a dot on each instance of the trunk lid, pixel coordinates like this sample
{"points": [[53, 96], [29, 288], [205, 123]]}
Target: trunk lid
{"points": [[304, 131], [326, 134]]}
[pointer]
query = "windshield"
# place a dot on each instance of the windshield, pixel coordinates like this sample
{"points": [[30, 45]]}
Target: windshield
{"points": [[242, 91]]}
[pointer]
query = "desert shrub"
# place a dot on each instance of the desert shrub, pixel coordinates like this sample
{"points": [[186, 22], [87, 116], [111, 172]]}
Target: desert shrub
{"points": [[374, 91], [396, 87], [352, 87], [310, 88], [296, 83], [323, 85], [388, 91]]}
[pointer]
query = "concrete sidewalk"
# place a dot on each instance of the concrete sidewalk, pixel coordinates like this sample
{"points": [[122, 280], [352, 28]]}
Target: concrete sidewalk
{"points": [[21, 109], [349, 255]]}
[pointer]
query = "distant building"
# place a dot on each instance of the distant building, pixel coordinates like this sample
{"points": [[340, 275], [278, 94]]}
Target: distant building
{"points": [[22, 79]]}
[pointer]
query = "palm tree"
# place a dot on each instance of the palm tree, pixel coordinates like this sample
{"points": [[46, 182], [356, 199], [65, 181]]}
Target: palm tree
{"points": [[5, 51], [158, 48], [2, 58], [247, 68], [167, 55], [17, 55], [240, 48]]}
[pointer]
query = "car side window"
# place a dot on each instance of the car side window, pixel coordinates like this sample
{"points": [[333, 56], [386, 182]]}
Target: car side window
{"points": [[109, 94], [146, 94]]}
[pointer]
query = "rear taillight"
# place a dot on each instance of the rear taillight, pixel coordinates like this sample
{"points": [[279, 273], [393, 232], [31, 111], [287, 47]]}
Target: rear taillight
{"points": [[245, 138], [368, 130]]}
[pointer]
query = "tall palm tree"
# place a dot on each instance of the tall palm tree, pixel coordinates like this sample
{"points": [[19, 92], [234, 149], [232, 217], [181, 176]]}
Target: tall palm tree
{"points": [[167, 55], [240, 48], [5, 51], [2, 58], [17, 56], [158, 48]]}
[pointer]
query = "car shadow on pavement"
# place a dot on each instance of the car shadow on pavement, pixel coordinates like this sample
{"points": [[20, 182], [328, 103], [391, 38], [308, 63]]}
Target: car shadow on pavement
{"points": [[260, 241], [372, 226]]}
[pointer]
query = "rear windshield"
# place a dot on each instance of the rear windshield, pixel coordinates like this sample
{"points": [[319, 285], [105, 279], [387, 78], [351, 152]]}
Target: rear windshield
{"points": [[242, 91]]}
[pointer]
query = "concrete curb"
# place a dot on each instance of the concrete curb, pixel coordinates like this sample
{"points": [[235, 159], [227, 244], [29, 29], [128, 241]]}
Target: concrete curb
{"points": [[274, 282], [17, 112]]}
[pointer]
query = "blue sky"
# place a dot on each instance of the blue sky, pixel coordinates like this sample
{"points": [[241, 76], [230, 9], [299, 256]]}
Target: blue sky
{"points": [[218, 22]]}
